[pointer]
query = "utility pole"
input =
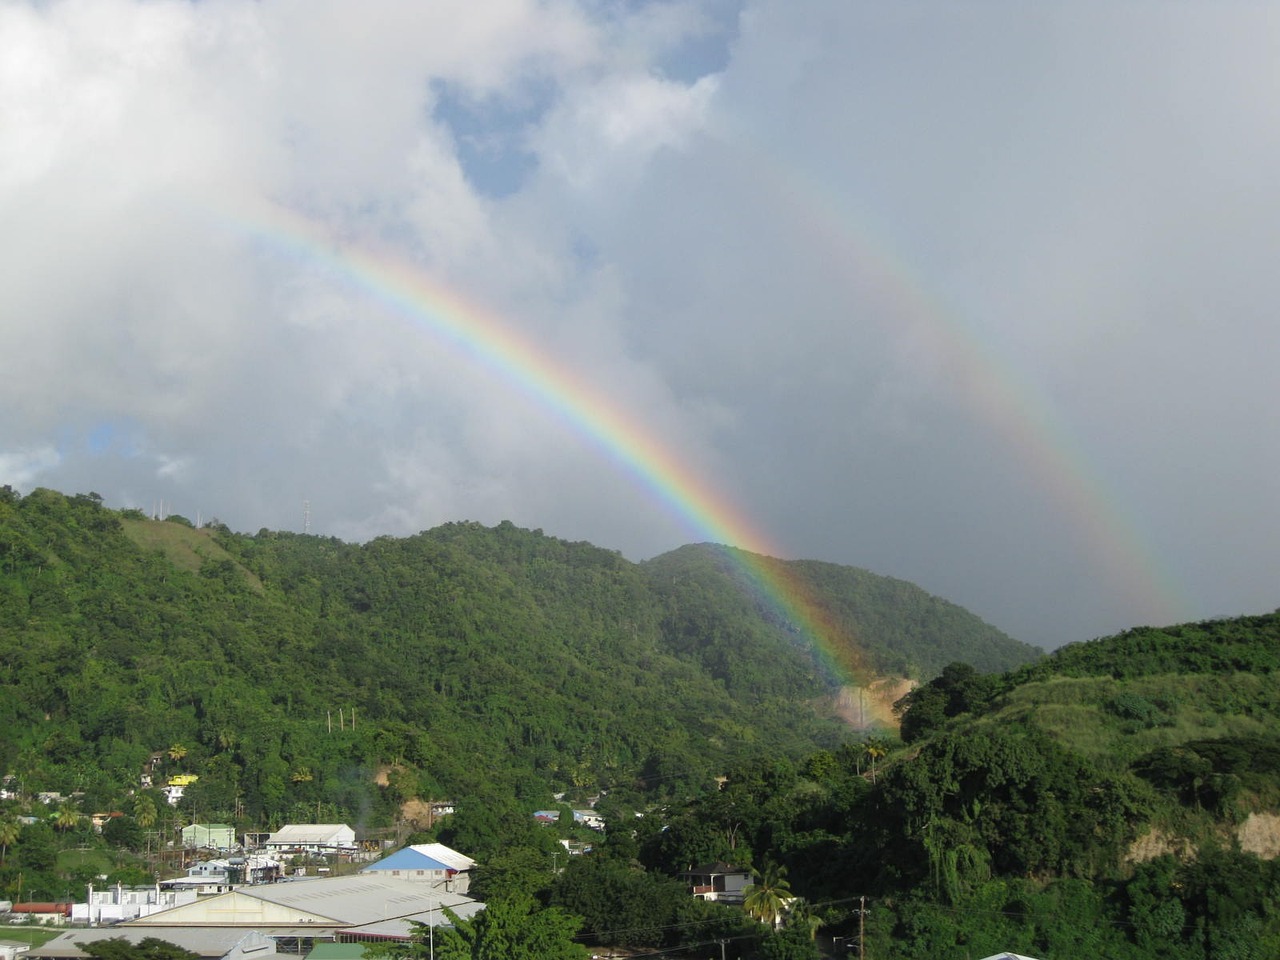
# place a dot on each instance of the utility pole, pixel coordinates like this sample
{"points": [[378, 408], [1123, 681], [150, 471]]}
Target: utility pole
{"points": [[862, 928]]}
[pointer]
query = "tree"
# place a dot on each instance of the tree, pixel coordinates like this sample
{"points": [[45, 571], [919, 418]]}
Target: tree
{"points": [[520, 871], [148, 948], [620, 904], [767, 896], [123, 832], [9, 831], [177, 752], [144, 811], [792, 943], [67, 818], [802, 916], [875, 749], [507, 929]]}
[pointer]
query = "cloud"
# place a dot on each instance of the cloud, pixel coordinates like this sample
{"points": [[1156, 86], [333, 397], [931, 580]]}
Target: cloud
{"points": [[979, 296]]}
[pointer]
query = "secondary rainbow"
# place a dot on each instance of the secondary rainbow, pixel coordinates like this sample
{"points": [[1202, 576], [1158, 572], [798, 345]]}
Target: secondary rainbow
{"points": [[476, 332], [984, 380]]}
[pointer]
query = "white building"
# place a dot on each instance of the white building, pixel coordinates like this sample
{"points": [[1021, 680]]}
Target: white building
{"points": [[114, 904], [430, 863], [312, 838]]}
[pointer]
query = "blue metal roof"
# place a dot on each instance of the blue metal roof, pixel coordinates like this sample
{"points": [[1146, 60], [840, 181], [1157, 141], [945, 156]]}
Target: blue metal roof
{"points": [[408, 859]]}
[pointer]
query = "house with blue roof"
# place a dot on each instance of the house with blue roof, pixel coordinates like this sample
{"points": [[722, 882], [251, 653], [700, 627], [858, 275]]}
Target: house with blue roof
{"points": [[430, 863]]}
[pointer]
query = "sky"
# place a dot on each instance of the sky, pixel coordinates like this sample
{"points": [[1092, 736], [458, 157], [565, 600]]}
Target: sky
{"points": [[979, 295]]}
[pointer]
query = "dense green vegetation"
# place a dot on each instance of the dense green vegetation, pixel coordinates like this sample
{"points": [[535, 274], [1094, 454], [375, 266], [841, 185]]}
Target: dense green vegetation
{"points": [[1118, 798], [304, 678], [880, 626]]}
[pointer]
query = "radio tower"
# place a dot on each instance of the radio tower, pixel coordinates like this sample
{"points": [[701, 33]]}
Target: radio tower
{"points": [[306, 516]]}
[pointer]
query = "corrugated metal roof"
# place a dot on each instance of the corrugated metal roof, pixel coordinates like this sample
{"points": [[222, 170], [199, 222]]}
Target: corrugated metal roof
{"points": [[401, 928], [309, 833], [345, 901], [205, 941]]}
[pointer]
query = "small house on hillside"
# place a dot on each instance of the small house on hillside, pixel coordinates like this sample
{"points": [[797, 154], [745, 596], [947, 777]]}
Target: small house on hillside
{"points": [[431, 863], [718, 881]]}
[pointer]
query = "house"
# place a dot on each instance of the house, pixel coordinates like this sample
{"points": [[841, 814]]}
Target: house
{"points": [[1009, 956], [312, 838], [589, 818], [49, 914], [100, 820], [177, 785], [117, 903], [718, 881], [430, 863], [209, 836]]}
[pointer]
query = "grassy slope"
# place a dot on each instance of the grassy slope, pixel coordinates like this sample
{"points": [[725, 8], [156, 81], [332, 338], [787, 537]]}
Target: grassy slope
{"points": [[185, 547]]}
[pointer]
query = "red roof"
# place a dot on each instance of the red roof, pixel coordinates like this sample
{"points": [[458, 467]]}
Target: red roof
{"points": [[37, 907]]}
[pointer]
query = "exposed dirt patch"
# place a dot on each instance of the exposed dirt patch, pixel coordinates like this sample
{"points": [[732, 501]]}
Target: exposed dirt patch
{"points": [[1260, 835], [416, 813], [871, 707], [1156, 844]]}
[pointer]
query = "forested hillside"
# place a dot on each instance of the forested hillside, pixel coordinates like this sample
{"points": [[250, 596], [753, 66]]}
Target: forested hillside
{"points": [[1119, 798], [291, 671], [879, 625]]}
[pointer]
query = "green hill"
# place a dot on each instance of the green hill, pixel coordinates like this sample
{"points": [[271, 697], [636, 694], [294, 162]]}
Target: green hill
{"points": [[876, 626], [295, 672], [1118, 798]]}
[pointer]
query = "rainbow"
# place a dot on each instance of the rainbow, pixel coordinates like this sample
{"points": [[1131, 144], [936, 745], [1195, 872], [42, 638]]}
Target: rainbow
{"points": [[469, 328], [985, 381]]}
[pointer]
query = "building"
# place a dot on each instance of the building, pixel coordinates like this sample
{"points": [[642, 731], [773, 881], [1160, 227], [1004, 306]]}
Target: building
{"points": [[313, 839], [209, 836], [718, 881], [49, 914], [298, 914], [210, 943], [218, 876], [13, 949], [430, 863], [177, 785], [118, 903]]}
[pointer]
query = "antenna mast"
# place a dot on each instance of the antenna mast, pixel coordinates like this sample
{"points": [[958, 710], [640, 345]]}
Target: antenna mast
{"points": [[306, 516]]}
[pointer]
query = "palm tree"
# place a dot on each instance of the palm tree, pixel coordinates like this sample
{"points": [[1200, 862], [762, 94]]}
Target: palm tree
{"points": [[67, 818], [875, 749], [9, 831], [177, 752], [766, 898], [144, 811], [801, 915]]}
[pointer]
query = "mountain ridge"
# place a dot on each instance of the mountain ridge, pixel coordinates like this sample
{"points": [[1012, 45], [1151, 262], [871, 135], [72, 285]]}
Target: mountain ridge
{"points": [[478, 659]]}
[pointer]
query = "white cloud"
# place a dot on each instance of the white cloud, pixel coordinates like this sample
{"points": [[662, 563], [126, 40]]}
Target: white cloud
{"points": [[796, 270]]}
